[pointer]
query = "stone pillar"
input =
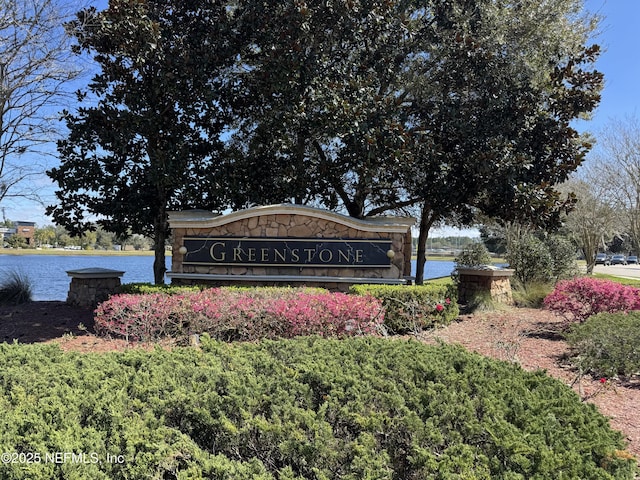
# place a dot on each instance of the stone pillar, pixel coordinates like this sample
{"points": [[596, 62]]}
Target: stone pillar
{"points": [[483, 281], [90, 286]]}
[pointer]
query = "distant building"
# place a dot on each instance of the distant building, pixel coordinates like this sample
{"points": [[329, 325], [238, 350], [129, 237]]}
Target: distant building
{"points": [[5, 234], [26, 230]]}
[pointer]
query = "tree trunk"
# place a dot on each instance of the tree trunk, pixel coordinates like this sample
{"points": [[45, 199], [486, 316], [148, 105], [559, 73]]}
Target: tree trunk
{"points": [[160, 237], [425, 225], [590, 265], [589, 249]]}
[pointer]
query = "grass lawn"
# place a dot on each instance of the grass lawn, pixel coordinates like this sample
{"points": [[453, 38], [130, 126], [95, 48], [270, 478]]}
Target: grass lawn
{"points": [[440, 281], [634, 282], [59, 251]]}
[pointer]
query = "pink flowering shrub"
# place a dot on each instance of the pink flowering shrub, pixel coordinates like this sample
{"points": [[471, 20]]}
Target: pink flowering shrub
{"points": [[328, 314], [239, 314], [140, 317], [579, 298]]}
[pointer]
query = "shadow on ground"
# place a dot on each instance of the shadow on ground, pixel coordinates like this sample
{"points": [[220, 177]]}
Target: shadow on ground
{"points": [[37, 322]]}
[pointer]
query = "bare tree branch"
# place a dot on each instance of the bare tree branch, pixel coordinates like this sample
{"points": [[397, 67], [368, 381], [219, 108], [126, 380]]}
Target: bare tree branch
{"points": [[36, 74], [619, 169]]}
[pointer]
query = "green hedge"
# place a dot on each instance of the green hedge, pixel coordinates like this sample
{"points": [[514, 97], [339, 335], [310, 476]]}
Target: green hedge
{"points": [[297, 409], [413, 308], [608, 344], [150, 288]]}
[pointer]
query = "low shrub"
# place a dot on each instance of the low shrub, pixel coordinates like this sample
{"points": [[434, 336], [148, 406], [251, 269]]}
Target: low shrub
{"points": [[579, 298], [16, 288], [538, 261], [149, 288], [364, 408], [238, 314], [531, 260], [413, 308], [474, 255], [607, 344], [144, 317]]}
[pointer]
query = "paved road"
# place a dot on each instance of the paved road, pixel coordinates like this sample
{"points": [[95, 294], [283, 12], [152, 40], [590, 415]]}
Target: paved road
{"points": [[631, 271]]}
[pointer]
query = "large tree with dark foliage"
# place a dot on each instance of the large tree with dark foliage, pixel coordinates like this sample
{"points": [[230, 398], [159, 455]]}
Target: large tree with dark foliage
{"points": [[318, 103], [150, 142], [494, 101], [453, 106], [456, 107]]}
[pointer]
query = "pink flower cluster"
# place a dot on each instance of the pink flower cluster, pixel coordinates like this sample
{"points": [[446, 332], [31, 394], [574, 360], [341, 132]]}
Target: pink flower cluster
{"points": [[580, 298], [229, 314], [440, 307]]}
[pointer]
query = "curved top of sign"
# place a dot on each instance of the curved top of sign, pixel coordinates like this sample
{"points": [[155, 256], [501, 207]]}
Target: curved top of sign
{"points": [[206, 219]]}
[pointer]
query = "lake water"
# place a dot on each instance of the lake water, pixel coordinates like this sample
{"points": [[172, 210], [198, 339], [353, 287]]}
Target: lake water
{"points": [[51, 282], [48, 272]]}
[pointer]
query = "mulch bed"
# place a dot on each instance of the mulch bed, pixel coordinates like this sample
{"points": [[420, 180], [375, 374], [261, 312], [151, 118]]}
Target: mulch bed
{"points": [[54, 322]]}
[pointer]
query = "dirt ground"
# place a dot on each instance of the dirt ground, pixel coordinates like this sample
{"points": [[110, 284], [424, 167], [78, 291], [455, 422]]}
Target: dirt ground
{"points": [[528, 337], [47, 322]]}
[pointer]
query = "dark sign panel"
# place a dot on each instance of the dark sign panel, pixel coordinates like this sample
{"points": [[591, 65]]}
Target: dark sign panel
{"points": [[295, 252]]}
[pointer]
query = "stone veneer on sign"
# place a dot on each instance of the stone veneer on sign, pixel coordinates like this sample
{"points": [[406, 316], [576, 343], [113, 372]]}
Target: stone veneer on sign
{"points": [[288, 225]]}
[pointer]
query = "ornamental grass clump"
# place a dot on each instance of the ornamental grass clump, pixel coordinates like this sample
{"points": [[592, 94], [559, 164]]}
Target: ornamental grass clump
{"points": [[15, 288], [239, 314], [580, 298]]}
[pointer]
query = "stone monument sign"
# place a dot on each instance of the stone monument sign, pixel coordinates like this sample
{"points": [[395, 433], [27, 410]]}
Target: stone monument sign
{"points": [[289, 245]]}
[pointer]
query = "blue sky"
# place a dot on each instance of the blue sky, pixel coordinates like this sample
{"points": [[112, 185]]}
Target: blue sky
{"points": [[620, 59], [620, 62]]}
